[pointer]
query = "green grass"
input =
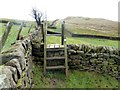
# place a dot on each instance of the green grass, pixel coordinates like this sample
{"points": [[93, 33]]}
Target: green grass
{"points": [[75, 79], [88, 41]]}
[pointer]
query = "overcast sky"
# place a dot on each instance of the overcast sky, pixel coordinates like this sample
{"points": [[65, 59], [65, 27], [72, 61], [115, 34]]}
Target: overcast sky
{"points": [[21, 9]]}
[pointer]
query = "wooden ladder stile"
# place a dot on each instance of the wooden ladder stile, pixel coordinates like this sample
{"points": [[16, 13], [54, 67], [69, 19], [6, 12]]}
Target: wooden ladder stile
{"points": [[54, 48]]}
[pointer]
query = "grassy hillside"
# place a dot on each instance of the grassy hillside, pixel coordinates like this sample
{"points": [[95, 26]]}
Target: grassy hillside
{"points": [[94, 26]]}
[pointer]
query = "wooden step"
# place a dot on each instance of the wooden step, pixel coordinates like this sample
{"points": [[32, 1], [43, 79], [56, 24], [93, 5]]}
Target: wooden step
{"points": [[55, 67], [55, 46], [55, 58], [54, 49]]}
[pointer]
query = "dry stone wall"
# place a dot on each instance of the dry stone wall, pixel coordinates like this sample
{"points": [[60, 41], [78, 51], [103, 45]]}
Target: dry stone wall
{"points": [[100, 59], [16, 63]]}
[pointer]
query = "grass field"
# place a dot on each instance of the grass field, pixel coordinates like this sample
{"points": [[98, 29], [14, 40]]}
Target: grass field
{"points": [[88, 41], [76, 79]]}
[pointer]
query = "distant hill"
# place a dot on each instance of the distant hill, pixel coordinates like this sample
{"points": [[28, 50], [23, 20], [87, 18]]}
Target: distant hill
{"points": [[94, 26], [15, 21]]}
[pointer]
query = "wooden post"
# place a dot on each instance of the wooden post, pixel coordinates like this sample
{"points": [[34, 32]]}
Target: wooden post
{"points": [[62, 35], [20, 29], [42, 28], [5, 35], [30, 28], [45, 45], [66, 61]]}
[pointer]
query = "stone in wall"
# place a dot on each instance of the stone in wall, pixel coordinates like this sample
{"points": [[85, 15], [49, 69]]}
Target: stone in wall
{"points": [[6, 78]]}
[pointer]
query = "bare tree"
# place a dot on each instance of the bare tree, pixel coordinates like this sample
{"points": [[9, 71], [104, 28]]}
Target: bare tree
{"points": [[37, 16]]}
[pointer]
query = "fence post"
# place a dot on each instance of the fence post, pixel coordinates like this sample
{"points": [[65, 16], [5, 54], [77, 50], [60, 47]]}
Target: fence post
{"points": [[5, 35], [30, 28], [62, 35], [20, 29]]}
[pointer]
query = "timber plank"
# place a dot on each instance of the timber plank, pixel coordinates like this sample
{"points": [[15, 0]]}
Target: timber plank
{"points": [[55, 67], [55, 58]]}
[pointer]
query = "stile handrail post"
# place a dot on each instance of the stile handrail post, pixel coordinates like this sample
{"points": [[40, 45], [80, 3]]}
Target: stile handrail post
{"points": [[62, 35], [65, 47], [42, 28]]}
